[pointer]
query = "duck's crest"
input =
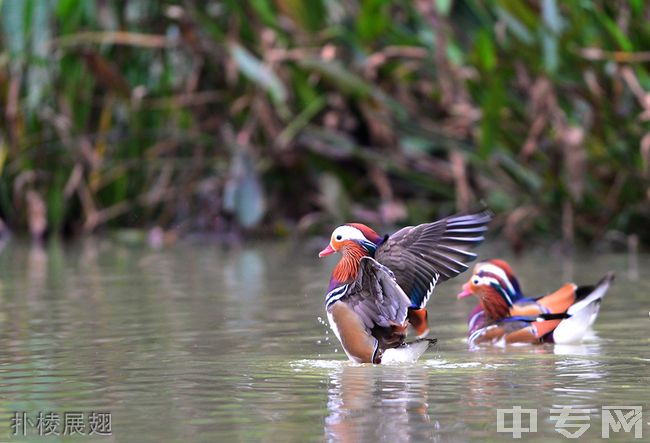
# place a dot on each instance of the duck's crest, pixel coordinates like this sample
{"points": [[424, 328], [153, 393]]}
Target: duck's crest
{"points": [[367, 232]]}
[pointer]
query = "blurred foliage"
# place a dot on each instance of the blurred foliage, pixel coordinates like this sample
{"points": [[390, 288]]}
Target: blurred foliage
{"points": [[277, 114]]}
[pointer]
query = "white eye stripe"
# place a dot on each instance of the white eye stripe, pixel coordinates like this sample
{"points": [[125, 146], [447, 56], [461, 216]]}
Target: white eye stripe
{"points": [[493, 269], [490, 281], [347, 233], [485, 280]]}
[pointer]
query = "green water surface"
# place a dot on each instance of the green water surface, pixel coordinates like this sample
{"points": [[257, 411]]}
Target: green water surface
{"points": [[201, 343]]}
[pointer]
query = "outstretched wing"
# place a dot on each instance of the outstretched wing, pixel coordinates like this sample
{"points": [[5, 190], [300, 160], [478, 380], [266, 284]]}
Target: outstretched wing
{"points": [[376, 297], [422, 255]]}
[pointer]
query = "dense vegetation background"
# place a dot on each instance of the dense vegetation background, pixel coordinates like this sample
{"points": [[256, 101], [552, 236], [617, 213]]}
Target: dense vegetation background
{"points": [[271, 115]]}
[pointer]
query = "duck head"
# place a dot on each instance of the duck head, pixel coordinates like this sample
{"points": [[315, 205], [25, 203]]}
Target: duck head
{"points": [[354, 241], [496, 287], [351, 237]]}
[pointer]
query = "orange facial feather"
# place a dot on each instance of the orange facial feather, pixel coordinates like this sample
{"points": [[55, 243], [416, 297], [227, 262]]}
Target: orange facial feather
{"points": [[348, 267], [493, 304]]}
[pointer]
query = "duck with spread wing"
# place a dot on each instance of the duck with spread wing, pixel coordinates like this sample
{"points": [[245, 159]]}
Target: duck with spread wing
{"points": [[382, 284]]}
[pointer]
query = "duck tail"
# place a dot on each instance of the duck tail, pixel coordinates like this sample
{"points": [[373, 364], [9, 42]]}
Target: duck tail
{"points": [[583, 313], [586, 295], [408, 352]]}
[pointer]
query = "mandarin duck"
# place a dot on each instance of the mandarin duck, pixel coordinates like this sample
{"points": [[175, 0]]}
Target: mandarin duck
{"points": [[381, 284], [504, 315]]}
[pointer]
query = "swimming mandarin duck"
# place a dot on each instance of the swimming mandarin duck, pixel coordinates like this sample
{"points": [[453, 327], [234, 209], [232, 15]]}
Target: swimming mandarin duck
{"points": [[381, 284], [504, 315]]}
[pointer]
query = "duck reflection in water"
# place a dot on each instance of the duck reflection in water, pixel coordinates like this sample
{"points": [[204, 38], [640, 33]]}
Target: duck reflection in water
{"points": [[387, 403], [572, 381]]}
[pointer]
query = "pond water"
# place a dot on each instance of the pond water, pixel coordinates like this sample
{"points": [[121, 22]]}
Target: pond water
{"points": [[200, 343]]}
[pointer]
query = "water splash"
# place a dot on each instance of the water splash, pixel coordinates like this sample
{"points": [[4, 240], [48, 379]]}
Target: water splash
{"points": [[300, 365]]}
